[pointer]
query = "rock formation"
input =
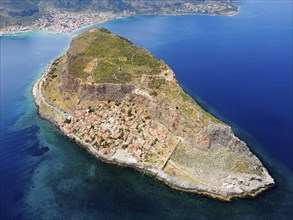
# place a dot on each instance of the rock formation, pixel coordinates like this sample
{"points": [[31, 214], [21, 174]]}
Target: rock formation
{"points": [[126, 107]]}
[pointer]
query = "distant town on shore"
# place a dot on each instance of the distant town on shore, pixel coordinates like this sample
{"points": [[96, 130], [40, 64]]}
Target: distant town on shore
{"points": [[55, 18]]}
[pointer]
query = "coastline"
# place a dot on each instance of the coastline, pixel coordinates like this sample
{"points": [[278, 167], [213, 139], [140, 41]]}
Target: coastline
{"points": [[58, 169], [53, 32], [24, 30], [152, 170]]}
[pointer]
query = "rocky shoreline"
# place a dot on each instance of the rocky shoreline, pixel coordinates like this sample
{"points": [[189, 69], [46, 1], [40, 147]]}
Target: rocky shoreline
{"points": [[224, 193], [150, 170], [153, 170], [161, 175]]}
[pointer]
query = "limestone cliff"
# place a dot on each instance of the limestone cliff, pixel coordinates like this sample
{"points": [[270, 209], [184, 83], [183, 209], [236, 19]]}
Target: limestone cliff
{"points": [[126, 107]]}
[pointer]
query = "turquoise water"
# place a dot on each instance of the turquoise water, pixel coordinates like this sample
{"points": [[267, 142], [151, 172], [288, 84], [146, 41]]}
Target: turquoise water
{"points": [[239, 68]]}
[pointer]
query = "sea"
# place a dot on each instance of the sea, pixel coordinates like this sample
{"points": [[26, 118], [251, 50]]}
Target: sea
{"points": [[239, 68]]}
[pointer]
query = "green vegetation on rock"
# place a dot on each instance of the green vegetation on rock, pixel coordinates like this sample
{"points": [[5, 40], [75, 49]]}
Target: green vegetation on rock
{"points": [[108, 58], [123, 103]]}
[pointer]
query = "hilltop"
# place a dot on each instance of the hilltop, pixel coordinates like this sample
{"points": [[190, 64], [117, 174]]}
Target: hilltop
{"points": [[125, 107]]}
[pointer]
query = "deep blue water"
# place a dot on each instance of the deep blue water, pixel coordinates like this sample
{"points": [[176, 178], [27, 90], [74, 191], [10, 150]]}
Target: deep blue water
{"points": [[239, 68]]}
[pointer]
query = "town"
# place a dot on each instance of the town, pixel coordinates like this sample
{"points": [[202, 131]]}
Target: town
{"points": [[121, 130], [60, 21]]}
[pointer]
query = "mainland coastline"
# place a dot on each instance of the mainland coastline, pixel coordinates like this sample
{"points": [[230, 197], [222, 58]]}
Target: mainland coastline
{"points": [[60, 21]]}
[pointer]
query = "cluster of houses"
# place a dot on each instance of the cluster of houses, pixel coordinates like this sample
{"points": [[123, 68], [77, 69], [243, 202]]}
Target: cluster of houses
{"points": [[111, 125], [211, 8], [62, 21]]}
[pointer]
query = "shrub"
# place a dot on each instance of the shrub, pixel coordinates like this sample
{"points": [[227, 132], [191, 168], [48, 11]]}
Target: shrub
{"points": [[156, 83], [105, 30], [153, 93], [147, 118], [91, 109], [67, 121], [129, 113]]}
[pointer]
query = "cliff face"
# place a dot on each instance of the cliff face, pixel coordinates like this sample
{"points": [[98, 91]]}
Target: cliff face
{"points": [[126, 107], [102, 92]]}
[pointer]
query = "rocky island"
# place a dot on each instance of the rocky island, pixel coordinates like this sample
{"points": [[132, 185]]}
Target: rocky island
{"points": [[125, 107]]}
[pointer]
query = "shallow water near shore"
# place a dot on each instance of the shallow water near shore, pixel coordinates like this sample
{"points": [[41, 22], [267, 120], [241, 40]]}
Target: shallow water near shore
{"points": [[238, 68]]}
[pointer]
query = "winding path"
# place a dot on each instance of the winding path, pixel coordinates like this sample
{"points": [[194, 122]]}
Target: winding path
{"points": [[168, 158], [49, 105]]}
